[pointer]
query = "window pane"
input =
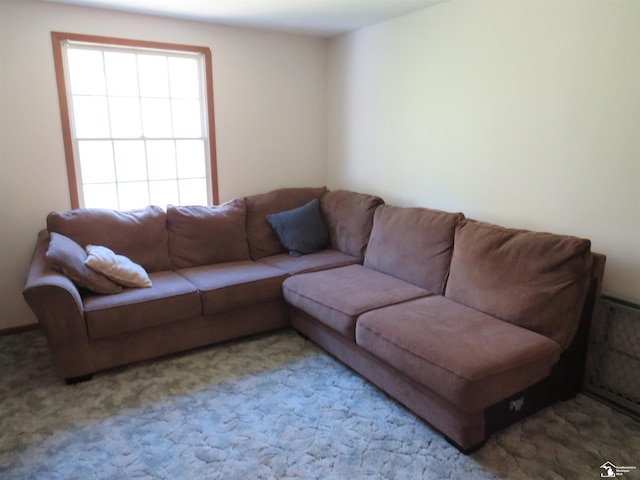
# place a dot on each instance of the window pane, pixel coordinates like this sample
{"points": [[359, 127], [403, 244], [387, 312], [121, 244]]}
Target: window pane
{"points": [[156, 118], [101, 195], [164, 192], [161, 159], [91, 117], [96, 162], [86, 71], [131, 161], [186, 118], [122, 74], [193, 192], [191, 161], [154, 76], [138, 122], [125, 117], [133, 195], [184, 78]]}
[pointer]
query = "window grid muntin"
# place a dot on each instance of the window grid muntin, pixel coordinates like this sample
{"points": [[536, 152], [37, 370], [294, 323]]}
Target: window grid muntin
{"points": [[202, 100]]}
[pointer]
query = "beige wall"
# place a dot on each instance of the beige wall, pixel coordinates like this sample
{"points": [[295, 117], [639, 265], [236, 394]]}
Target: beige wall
{"points": [[270, 102], [521, 113]]}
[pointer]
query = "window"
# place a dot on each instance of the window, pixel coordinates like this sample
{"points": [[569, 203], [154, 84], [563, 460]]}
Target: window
{"points": [[137, 122]]}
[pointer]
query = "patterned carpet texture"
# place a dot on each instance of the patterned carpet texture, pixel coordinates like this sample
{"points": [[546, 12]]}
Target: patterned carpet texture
{"points": [[268, 407]]}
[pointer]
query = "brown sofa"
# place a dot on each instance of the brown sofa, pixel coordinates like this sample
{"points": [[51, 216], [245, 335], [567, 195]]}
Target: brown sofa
{"points": [[471, 326]]}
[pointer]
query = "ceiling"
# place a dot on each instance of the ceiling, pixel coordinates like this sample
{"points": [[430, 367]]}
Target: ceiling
{"points": [[324, 18]]}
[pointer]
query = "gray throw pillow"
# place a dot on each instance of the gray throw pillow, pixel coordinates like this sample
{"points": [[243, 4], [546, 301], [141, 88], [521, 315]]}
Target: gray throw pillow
{"points": [[68, 257], [301, 230]]}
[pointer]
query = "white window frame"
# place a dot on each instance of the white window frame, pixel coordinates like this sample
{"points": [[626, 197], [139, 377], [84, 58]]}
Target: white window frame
{"points": [[61, 40]]}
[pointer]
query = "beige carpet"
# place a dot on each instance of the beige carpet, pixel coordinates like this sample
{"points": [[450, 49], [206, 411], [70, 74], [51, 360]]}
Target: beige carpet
{"points": [[273, 407]]}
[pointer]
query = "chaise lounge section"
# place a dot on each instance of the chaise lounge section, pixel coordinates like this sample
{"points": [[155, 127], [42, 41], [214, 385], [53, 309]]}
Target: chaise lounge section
{"points": [[484, 330], [471, 326]]}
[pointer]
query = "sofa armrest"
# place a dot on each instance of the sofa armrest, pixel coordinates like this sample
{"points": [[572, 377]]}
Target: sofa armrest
{"points": [[57, 304], [569, 372], [41, 277]]}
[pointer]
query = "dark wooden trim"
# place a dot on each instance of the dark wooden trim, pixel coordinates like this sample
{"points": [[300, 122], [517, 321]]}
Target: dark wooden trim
{"points": [[58, 37], [20, 329]]}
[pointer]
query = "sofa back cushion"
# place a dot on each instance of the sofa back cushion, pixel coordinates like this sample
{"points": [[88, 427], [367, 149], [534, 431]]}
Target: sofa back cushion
{"points": [[349, 219], [262, 239], [140, 235], [413, 244], [535, 280], [204, 235]]}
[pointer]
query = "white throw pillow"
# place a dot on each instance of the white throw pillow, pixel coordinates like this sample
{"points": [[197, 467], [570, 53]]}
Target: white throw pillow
{"points": [[117, 268]]}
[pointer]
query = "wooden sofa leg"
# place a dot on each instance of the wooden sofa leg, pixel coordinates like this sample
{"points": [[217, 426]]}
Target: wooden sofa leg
{"points": [[80, 379], [465, 451]]}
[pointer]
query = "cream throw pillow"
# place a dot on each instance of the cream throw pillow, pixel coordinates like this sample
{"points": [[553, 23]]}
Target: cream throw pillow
{"points": [[117, 268]]}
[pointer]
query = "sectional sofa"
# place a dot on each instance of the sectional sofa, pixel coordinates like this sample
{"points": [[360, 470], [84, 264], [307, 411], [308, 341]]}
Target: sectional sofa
{"points": [[471, 326]]}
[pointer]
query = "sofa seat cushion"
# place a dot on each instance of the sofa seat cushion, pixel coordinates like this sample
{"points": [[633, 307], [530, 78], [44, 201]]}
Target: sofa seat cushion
{"points": [[170, 299], [337, 296], [466, 356], [311, 262], [232, 285]]}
